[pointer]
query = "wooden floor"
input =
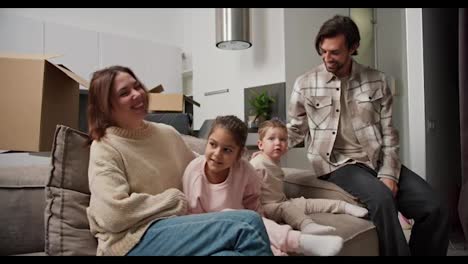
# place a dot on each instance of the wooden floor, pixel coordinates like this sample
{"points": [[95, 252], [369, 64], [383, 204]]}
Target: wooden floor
{"points": [[457, 244]]}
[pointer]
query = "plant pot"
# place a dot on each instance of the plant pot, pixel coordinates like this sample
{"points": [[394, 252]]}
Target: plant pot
{"points": [[251, 122], [260, 120]]}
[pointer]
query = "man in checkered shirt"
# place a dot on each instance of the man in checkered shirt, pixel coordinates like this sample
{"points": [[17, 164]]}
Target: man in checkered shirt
{"points": [[343, 111]]}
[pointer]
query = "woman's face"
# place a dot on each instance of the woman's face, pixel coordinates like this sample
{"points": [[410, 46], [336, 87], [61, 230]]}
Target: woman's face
{"points": [[128, 100]]}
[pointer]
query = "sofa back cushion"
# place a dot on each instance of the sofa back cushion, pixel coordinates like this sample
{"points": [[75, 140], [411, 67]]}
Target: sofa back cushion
{"points": [[195, 144], [67, 196], [298, 182]]}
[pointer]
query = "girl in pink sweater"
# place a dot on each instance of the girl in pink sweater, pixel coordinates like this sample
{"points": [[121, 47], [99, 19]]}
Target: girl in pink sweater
{"points": [[222, 180]]}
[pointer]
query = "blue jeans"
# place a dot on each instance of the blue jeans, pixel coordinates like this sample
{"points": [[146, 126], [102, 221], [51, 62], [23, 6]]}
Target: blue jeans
{"points": [[231, 233]]}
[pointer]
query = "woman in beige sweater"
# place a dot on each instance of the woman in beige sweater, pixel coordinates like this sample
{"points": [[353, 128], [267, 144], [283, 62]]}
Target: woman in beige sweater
{"points": [[135, 177]]}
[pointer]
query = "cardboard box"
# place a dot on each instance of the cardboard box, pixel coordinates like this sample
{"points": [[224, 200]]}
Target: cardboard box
{"points": [[36, 96], [170, 102]]}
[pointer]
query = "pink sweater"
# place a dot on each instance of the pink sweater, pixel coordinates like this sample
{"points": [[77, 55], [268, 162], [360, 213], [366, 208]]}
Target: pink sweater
{"points": [[241, 189]]}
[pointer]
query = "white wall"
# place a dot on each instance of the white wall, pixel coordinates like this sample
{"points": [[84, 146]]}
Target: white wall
{"points": [[162, 25], [194, 31], [283, 48], [24, 36], [416, 114], [215, 69], [391, 59], [189, 35], [79, 47], [364, 18], [301, 25], [90, 39]]}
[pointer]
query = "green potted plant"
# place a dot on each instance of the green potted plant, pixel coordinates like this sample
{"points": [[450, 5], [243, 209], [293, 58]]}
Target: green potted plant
{"points": [[260, 104]]}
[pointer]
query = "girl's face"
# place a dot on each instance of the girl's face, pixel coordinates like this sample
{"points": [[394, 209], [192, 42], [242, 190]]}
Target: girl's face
{"points": [[275, 143], [128, 101], [221, 153]]}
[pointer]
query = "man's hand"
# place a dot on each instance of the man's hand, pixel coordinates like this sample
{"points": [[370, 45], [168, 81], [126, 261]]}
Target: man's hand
{"points": [[391, 184]]}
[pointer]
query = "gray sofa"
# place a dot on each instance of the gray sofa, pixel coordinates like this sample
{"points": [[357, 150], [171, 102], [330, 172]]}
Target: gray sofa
{"points": [[43, 200]]}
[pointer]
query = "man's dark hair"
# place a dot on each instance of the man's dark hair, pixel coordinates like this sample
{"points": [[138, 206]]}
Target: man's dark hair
{"points": [[339, 25]]}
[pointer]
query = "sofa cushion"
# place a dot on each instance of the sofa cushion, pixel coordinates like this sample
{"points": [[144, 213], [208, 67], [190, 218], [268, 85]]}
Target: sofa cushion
{"points": [[298, 182], [359, 235], [67, 196], [196, 144], [22, 180], [180, 121]]}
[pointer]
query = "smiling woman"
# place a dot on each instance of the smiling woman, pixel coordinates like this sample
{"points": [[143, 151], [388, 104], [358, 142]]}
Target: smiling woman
{"points": [[129, 101], [135, 179], [116, 90]]}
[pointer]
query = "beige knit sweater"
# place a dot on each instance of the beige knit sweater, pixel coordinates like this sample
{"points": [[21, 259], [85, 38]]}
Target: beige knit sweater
{"points": [[272, 179], [134, 178]]}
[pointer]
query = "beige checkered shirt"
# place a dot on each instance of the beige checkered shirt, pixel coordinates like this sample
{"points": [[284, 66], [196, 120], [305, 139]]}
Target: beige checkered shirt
{"points": [[314, 117]]}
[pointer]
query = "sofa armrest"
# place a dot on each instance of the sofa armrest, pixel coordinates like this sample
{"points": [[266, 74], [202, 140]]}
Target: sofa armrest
{"points": [[298, 182], [23, 177]]}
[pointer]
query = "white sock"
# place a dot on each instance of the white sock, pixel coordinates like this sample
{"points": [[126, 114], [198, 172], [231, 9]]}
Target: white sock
{"points": [[313, 245], [316, 229], [355, 210]]}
